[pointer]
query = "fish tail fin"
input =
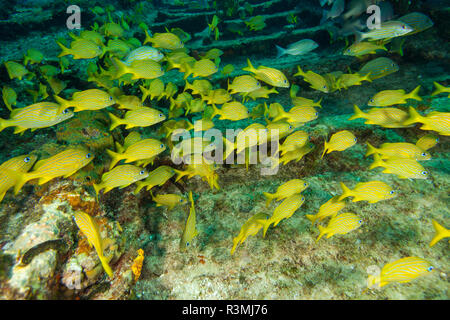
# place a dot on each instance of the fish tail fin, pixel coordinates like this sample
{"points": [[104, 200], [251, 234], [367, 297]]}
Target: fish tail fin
{"points": [[346, 192], [180, 174], [215, 111], [440, 233], [319, 103], [139, 186], [115, 121], [280, 51], [266, 224], [188, 71], [371, 150], [294, 90], [106, 266], [414, 117], [269, 197], [122, 68], [250, 67], [63, 103], [147, 37], [367, 77], [300, 72], [229, 147], [311, 217], [324, 16], [97, 188], [415, 94], [439, 89], [325, 148], [115, 157], [3, 124], [65, 51], [145, 93], [21, 179], [377, 162], [358, 113], [322, 231]]}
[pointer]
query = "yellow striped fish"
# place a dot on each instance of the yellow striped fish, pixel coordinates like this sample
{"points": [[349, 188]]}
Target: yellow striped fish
{"points": [[249, 228], [63, 164], [297, 115], [90, 229], [436, 121], [36, 116], [268, 75], [297, 154], [416, 20], [120, 177], [403, 168], [243, 84], [339, 141], [140, 150], [372, 191], [10, 169], [316, 81], [168, 200], [388, 98], [329, 208], [92, 99], [402, 271], [286, 190], [155, 90], [201, 87], [387, 30], [440, 89], [132, 138], [340, 224], [233, 110], [378, 68], [294, 141], [140, 69], [144, 53], [385, 117], [164, 40], [142, 117], [9, 97], [15, 70], [201, 68], [81, 49], [441, 233], [362, 48], [157, 177], [190, 230], [428, 141], [129, 102], [218, 96], [398, 150]]}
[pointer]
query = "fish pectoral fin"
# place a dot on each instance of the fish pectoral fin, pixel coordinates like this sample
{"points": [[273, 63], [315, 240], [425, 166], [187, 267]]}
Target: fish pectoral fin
{"points": [[44, 180], [124, 186]]}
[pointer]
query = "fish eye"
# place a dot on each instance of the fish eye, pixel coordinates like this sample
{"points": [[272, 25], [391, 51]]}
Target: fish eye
{"points": [[430, 268], [161, 115], [355, 140], [437, 139], [303, 198], [257, 83], [305, 184], [65, 111], [324, 87], [162, 145], [27, 159], [424, 173], [187, 244], [162, 69], [424, 154], [290, 127], [181, 200], [111, 98], [285, 81], [88, 155], [142, 172], [392, 192], [371, 100], [360, 221]]}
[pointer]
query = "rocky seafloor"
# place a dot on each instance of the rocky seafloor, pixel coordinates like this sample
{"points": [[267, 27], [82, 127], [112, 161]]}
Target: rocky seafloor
{"points": [[287, 263]]}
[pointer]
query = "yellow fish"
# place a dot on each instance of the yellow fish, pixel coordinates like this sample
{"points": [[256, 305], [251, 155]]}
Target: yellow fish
{"points": [[129, 102], [89, 35], [155, 90], [63, 164], [283, 211], [195, 106], [297, 154], [385, 117], [121, 176], [440, 89], [294, 141], [256, 23], [372, 191], [201, 87], [212, 54], [194, 145], [35, 116], [249, 228], [11, 169], [362, 48], [347, 80], [190, 230], [436, 121], [340, 224], [262, 92], [271, 76], [329, 208], [282, 128], [140, 150], [390, 97], [136, 268], [92, 99], [157, 177], [228, 69], [251, 136], [164, 40], [427, 141], [387, 30], [201, 68], [244, 84], [90, 229], [398, 150], [316, 81], [441, 233], [298, 115], [403, 168], [378, 68], [339, 141], [168, 200], [204, 168], [233, 111], [33, 56], [286, 190], [81, 49], [303, 102], [56, 85], [140, 69], [217, 96], [142, 117], [9, 97], [130, 139], [15, 70], [402, 271], [112, 29]]}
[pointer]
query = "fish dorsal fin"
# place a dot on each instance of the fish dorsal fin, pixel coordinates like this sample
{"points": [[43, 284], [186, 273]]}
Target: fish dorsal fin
{"points": [[14, 112]]}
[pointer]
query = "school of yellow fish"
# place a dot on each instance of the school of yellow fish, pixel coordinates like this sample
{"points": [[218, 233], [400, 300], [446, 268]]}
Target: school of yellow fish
{"points": [[127, 62]]}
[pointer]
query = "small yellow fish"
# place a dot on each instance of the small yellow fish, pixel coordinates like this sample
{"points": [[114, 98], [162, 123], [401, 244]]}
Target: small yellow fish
{"points": [[316, 81], [283, 211], [165, 40], [286, 190], [81, 49], [403, 168], [112, 29], [440, 89], [129, 102], [427, 141], [340, 224], [212, 54], [11, 169], [194, 145], [441, 233], [9, 97], [33, 56], [417, 21], [92, 99], [136, 268], [294, 141], [89, 227], [250, 228], [194, 106], [300, 101], [56, 85], [203, 168], [281, 128], [436, 121], [372, 191], [297, 115], [339, 141], [262, 92], [233, 111], [170, 90], [140, 69], [15, 70], [385, 117], [201, 68], [362, 48], [228, 69], [268, 75], [387, 30], [217, 96], [140, 150], [157, 177], [63, 164], [297, 154], [401, 271], [256, 23], [168, 200], [190, 230], [398, 150], [142, 117], [201, 87], [329, 208], [89, 35], [121, 176], [243, 84], [347, 80], [155, 90], [378, 68], [391, 97]]}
